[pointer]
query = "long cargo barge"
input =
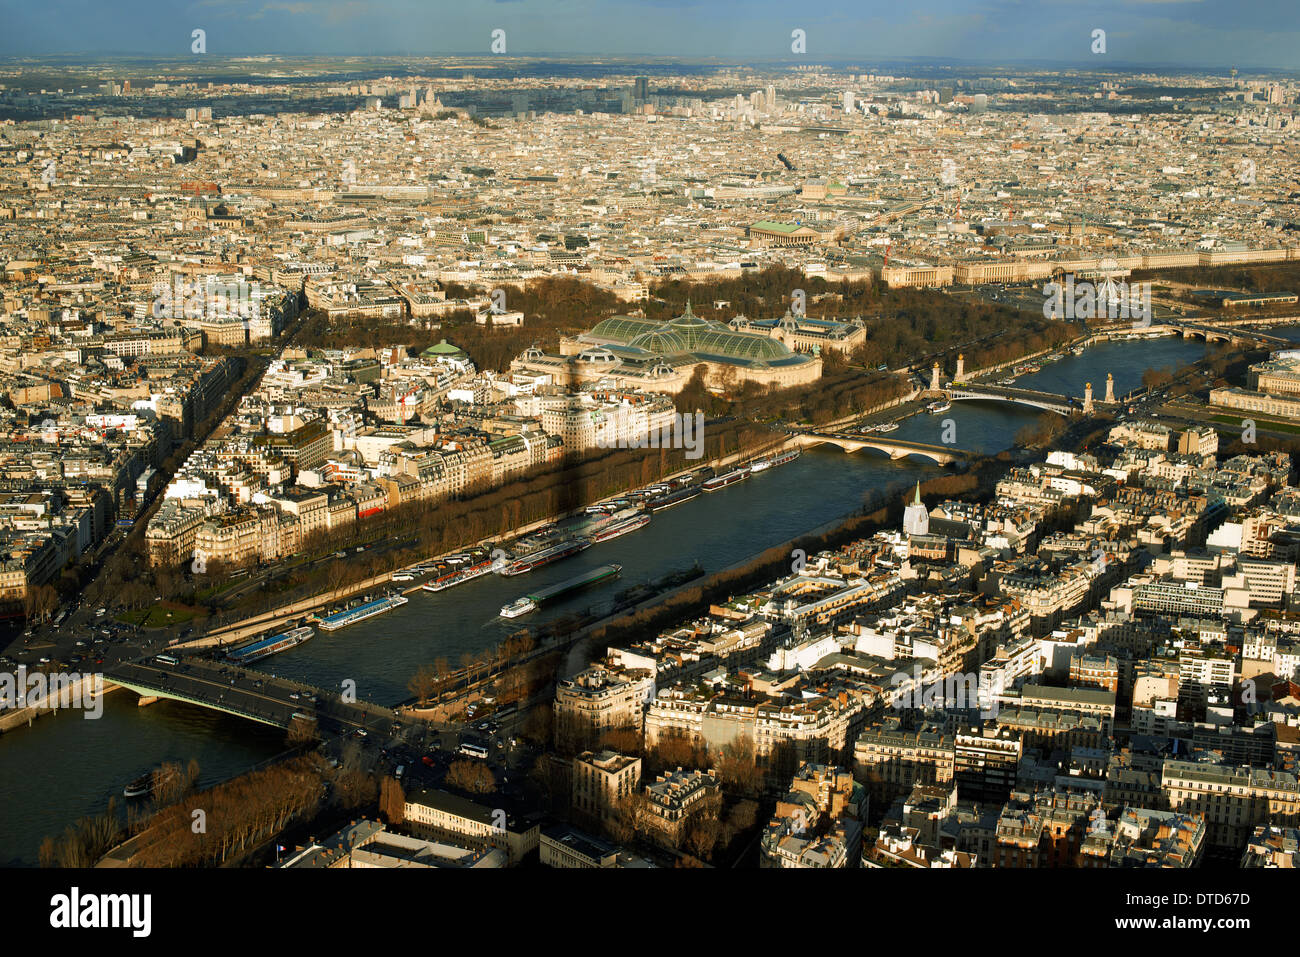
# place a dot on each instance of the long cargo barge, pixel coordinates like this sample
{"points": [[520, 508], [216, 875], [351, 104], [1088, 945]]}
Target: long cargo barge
{"points": [[265, 647], [534, 600], [350, 616], [673, 498], [544, 557]]}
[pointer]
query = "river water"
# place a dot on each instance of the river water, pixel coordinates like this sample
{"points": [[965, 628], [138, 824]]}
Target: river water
{"points": [[64, 766]]}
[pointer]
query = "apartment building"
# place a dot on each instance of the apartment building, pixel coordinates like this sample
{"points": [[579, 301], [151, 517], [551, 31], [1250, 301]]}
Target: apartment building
{"points": [[1234, 799], [601, 782], [597, 700]]}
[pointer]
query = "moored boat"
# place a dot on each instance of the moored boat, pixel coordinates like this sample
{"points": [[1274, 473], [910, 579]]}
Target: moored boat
{"points": [[673, 498], [264, 647], [528, 563], [621, 528], [722, 481]]}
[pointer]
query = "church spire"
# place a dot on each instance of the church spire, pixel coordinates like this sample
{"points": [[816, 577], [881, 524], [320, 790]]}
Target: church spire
{"points": [[917, 500]]}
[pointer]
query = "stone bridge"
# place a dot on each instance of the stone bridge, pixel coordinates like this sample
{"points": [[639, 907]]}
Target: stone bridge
{"points": [[894, 448]]}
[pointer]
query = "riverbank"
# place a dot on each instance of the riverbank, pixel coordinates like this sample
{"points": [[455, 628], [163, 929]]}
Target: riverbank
{"points": [[276, 618]]}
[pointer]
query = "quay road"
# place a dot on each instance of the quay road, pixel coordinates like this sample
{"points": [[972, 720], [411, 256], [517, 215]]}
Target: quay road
{"points": [[254, 695]]}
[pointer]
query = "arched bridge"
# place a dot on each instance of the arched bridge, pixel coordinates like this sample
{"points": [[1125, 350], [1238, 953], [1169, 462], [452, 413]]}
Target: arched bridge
{"points": [[1225, 333], [894, 448], [253, 695], [994, 393]]}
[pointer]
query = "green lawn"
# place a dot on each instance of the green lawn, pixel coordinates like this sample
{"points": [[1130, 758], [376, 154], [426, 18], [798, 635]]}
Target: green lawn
{"points": [[1260, 423], [156, 616]]}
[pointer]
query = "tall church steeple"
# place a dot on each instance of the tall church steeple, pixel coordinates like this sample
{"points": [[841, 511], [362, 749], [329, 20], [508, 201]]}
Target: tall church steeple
{"points": [[916, 520]]}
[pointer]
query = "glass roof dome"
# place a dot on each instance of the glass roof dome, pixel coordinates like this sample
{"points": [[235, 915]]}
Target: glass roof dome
{"points": [[689, 333]]}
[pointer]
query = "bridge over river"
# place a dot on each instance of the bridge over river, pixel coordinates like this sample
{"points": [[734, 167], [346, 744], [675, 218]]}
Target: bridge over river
{"points": [[996, 393], [254, 695], [894, 448]]}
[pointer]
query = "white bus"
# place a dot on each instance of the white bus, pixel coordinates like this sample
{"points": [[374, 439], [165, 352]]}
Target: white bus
{"points": [[473, 751]]}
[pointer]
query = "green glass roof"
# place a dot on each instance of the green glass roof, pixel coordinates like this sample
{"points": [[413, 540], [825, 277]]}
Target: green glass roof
{"points": [[690, 334]]}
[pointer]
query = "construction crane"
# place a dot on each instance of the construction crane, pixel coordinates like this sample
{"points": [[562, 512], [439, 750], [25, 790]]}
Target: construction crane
{"points": [[401, 404]]}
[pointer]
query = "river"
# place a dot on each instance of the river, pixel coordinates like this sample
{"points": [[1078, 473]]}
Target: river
{"points": [[64, 766]]}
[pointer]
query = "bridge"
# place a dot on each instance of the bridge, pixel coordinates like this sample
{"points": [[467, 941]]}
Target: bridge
{"points": [[894, 448], [1220, 333], [1049, 401], [252, 695], [1231, 334]]}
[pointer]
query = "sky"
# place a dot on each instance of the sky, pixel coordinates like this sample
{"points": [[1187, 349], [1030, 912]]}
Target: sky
{"points": [[1207, 34]]}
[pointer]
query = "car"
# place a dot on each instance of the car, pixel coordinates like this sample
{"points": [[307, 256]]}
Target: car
{"points": [[292, 697]]}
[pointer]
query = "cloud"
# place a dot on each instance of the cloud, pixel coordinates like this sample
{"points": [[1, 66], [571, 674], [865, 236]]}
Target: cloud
{"points": [[333, 12]]}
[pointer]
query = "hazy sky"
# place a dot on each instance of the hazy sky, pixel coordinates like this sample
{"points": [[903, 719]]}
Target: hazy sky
{"points": [[1203, 33]]}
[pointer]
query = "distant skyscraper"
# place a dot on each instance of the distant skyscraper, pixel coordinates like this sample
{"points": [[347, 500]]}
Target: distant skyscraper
{"points": [[642, 91], [848, 101], [769, 98]]}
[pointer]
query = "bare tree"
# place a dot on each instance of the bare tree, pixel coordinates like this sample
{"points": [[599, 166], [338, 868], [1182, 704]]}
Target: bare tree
{"points": [[392, 801], [471, 776], [424, 684]]}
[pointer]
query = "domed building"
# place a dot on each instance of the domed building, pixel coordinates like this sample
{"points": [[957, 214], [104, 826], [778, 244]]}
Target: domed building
{"points": [[652, 355]]}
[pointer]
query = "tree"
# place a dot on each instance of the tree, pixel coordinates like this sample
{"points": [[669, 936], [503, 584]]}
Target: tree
{"points": [[743, 816], [392, 801], [623, 740], [41, 601], [1157, 378], [703, 835], [633, 816], [424, 684], [472, 776], [736, 767]]}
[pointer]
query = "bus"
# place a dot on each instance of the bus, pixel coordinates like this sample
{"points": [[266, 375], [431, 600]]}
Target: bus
{"points": [[473, 751], [167, 660]]}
